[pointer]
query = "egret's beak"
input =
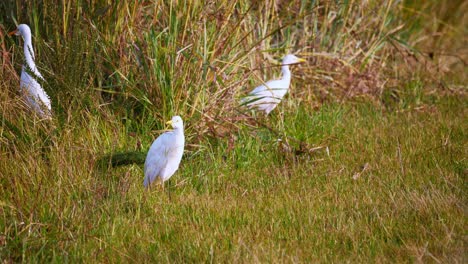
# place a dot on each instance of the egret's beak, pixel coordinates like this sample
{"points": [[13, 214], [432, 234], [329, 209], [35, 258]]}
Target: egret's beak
{"points": [[13, 32], [169, 122], [301, 60]]}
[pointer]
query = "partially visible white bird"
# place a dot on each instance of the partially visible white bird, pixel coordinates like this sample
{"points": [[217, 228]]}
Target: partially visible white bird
{"points": [[267, 97], [35, 96], [165, 153]]}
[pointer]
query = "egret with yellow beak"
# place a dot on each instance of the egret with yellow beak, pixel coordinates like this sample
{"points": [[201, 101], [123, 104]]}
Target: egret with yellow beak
{"points": [[267, 97], [36, 98], [165, 154]]}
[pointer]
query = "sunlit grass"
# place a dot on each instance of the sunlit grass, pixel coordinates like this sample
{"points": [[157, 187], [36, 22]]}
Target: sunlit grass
{"points": [[254, 202], [370, 167]]}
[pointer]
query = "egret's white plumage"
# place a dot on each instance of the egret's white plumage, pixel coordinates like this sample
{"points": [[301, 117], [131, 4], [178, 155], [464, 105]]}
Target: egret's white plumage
{"points": [[35, 96], [165, 153], [267, 97]]}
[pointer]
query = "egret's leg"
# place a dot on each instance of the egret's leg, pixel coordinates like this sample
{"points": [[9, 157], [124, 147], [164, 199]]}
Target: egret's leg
{"points": [[160, 183], [156, 184], [281, 119]]}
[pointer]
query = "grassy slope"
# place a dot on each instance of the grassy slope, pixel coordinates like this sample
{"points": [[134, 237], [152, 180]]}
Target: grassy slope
{"points": [[116, 72], [256, 202]]}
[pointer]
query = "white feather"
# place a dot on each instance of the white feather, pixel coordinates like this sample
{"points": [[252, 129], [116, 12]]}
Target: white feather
{"points": [[36, 98], [267, 97], [165, 154]]}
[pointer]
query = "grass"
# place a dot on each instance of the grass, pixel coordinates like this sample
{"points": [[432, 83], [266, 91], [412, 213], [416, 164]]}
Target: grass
{"points": [[371, 167], [255, 202]]}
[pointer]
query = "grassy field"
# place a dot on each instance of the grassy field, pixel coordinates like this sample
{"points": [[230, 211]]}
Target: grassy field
{"points": [[364, 161]]}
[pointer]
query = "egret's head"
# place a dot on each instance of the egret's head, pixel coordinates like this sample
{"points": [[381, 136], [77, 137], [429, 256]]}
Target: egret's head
{"points": [[176, 122], [22, 30], [292, 59]]}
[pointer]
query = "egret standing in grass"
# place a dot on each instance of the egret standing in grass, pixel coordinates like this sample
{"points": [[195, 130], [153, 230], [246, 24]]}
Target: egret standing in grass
{"points": [[266, 97], [165, 153], [35, 96]]}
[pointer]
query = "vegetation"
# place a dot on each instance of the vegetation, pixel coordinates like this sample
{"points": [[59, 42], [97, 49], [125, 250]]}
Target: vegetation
{"points": [[370, 166]]}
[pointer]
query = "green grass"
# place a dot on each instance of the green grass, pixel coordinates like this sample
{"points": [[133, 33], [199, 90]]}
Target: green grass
{"points": [[375, 122], [255, 202]]}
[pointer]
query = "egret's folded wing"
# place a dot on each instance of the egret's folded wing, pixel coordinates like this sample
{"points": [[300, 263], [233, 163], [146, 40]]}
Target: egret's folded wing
{"points": [[258, 90], [157, 157]]}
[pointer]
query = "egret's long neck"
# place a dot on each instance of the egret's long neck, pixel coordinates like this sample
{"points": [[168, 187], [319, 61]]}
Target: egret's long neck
{"points": [[286, 73], [29, 53], [179, 130]]}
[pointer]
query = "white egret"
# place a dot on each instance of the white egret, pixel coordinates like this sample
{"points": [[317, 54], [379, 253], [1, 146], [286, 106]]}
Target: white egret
{"points": [[267, 97], [165, 153], [35, 96]]}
